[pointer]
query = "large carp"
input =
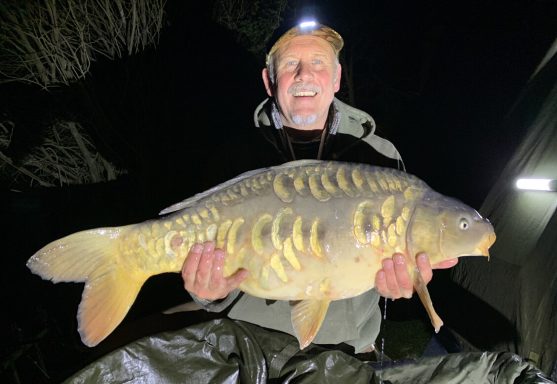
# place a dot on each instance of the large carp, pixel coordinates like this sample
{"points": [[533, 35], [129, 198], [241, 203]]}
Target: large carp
{"points": [[307, 231]]}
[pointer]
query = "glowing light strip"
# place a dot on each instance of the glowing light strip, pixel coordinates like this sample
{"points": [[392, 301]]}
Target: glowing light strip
{"points": [[537, 184]]}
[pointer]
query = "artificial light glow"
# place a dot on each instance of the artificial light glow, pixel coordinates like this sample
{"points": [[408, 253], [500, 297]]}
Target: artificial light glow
{"points": [[537, 184], [308, 24]]}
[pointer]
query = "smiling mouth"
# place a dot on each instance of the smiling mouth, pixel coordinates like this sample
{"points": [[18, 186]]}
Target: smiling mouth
{"points": [[304, 90], [304, 93]]}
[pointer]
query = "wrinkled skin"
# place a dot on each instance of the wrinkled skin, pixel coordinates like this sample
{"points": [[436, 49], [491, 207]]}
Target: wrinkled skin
{"points": [[304, 63]]}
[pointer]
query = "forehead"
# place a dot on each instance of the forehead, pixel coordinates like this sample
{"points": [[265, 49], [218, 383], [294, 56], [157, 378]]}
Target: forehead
{"points": [[301, 45]]}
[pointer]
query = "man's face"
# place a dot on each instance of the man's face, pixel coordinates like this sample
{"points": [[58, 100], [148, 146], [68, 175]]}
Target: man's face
{"points": [[307, 78]]}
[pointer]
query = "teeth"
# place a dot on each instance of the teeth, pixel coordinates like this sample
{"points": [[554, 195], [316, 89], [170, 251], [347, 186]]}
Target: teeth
{"points": [[305, 93]]}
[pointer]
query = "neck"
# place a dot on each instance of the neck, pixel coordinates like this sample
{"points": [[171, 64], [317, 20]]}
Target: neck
{"points": [[304, 134]]}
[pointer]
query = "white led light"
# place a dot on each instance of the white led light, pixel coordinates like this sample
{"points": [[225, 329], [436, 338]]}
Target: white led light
{"points": [[308, 24], [537, 184]]}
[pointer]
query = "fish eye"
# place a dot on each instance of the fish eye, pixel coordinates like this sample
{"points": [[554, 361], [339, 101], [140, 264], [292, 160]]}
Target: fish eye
{"points": [[464, 224]]}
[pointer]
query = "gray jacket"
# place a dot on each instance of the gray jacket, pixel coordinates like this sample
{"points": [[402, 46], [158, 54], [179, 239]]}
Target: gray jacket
{"points": [[344, 120]]}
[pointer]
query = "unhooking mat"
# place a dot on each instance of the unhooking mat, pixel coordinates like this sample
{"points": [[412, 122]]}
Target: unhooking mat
{"points": [[227, 351]]}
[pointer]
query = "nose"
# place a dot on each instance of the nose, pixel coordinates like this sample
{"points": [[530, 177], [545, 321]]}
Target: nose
{"points": [[303, 72]]}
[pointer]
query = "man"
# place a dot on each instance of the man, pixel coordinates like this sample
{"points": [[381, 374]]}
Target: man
{"points": [[303, 119]]}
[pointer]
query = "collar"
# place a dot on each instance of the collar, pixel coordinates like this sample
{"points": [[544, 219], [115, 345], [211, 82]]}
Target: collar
{"points": [[345, 119], [261, 117]]}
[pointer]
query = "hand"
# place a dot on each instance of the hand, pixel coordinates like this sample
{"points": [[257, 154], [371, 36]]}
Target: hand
{"points": [[393, 281], [202, 273]]}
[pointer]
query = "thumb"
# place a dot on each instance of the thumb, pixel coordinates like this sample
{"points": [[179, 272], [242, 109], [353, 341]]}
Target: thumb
{"points": [[237, 277]]}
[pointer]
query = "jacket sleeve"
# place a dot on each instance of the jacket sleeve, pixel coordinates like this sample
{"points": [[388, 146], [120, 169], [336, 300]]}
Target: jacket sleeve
{"points": [[216, 305]]}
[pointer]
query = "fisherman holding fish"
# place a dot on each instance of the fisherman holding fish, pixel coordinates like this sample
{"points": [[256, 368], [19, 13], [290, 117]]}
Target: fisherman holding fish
{"points": [[302, 119], [311, 243]]}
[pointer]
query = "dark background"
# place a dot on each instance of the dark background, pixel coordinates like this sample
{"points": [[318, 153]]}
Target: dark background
{"points": [[439, 77]]}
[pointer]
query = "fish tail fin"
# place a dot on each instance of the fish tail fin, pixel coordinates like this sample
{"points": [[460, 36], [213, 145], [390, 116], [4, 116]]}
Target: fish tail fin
{"points": [[92, 257]]}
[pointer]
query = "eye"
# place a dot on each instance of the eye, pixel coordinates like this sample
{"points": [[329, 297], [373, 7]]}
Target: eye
{"points": [[317, 61], [463, 224]]}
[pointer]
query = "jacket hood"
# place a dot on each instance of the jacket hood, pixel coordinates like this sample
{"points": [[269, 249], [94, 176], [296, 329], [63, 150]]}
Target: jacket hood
{"points": [[348, 120]]}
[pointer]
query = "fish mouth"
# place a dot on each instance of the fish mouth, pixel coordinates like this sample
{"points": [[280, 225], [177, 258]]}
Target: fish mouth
{"points": [[486, 242]]}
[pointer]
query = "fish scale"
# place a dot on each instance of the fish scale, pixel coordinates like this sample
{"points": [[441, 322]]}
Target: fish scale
{"points": [[308, 231]]}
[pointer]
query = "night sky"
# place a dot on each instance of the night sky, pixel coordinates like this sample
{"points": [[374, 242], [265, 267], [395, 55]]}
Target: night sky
{"points": [[440, 79]]}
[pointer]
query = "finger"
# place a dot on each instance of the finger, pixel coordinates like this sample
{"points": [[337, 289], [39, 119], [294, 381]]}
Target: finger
{"points": [[217, 279], [189, 268], [205, 265], [390, 277], [381, 284], [446, 264], [422, 262], [236, 279], [402, 276]]}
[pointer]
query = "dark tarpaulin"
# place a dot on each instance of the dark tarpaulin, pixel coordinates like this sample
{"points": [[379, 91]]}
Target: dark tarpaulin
{"points": [[520, 282], [227, 351]]}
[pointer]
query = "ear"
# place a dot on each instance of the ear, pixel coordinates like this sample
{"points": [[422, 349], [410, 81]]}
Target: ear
{"points": [[267, 82], [337, 78]]}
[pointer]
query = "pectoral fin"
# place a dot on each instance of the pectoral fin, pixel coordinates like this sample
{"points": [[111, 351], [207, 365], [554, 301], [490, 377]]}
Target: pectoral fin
{"points": [[307, 317], [423, 293]]}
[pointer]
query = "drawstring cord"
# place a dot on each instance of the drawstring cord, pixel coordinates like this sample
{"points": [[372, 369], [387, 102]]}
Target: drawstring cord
{"points": [[334, 116], [319, 151]]}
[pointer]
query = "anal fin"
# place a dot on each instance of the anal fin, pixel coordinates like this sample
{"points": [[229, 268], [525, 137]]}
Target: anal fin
{"points": [[307, 317]]}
